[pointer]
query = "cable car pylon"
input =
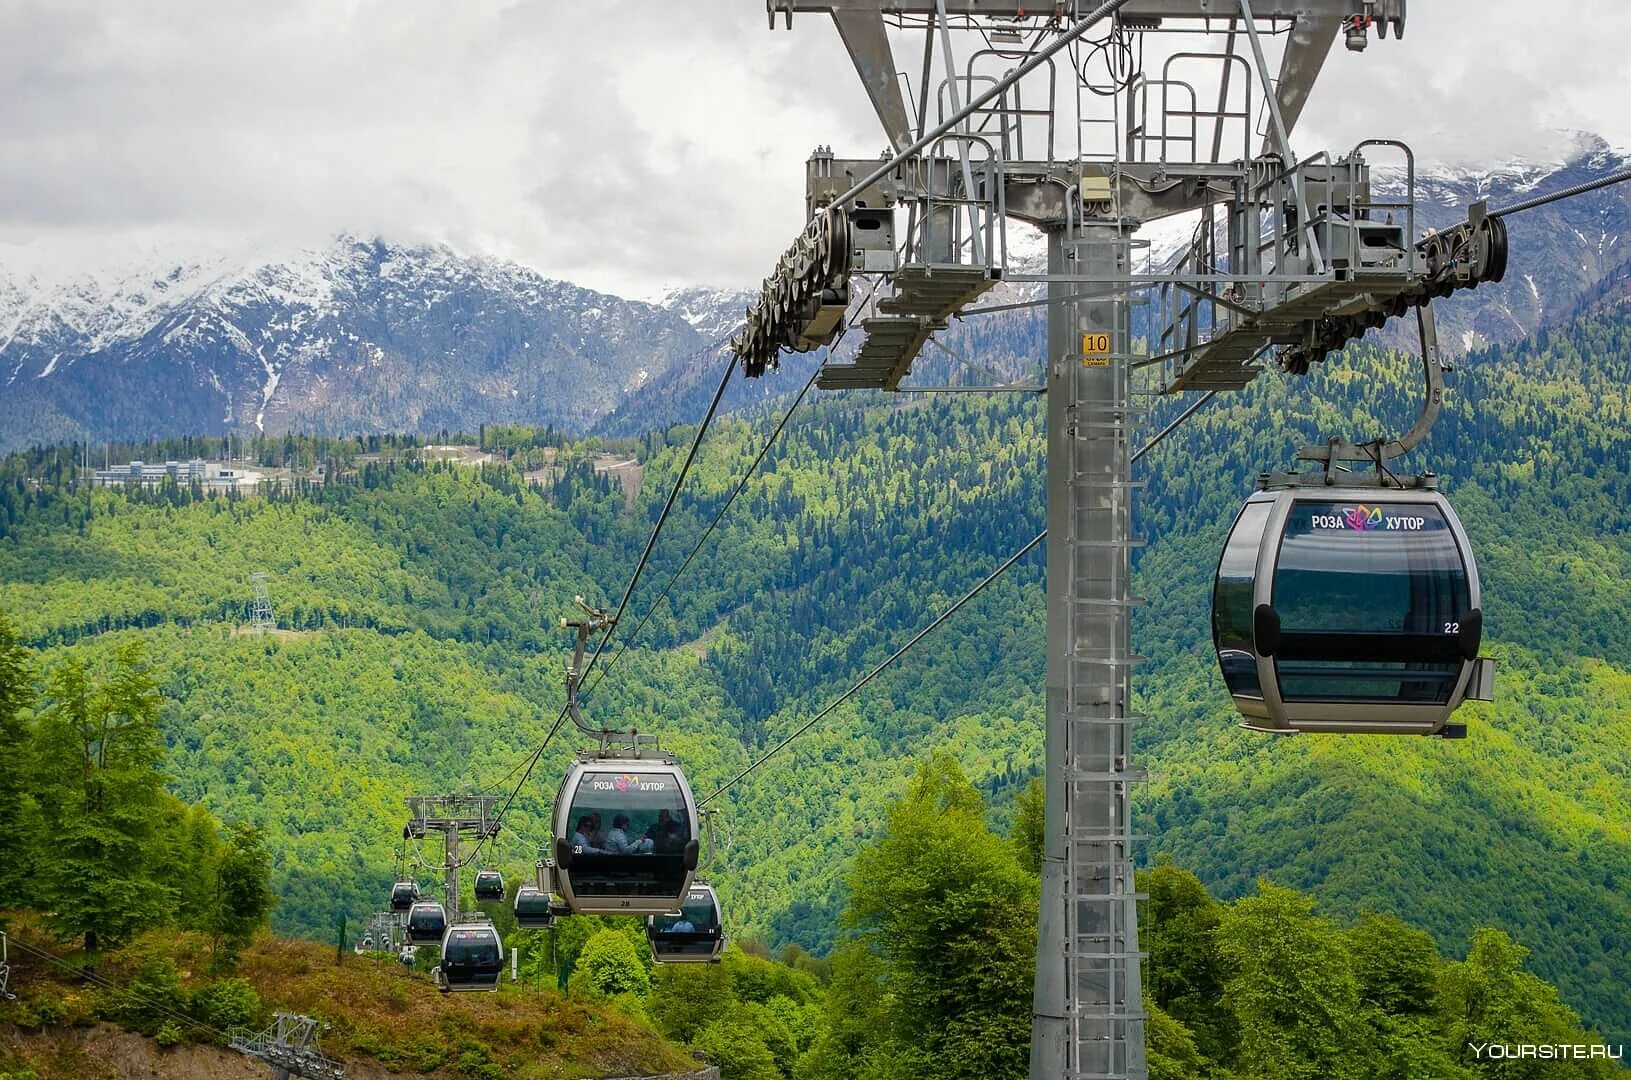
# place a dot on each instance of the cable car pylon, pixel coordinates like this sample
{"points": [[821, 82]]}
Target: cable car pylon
{"points": [[1070, 134], [454, 817], [289, 1048]]}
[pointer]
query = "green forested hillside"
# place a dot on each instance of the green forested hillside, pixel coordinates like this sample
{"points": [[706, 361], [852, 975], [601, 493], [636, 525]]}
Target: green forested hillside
{"points": [[419, 652]]}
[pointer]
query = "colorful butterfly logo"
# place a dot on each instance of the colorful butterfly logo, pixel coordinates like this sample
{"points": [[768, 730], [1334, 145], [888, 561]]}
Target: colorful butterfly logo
{"points": [[1363, 517], [626, 783]]}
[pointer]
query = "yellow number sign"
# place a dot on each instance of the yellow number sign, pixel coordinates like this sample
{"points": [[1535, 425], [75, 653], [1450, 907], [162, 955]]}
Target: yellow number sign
{"points": [[1095, 350]]}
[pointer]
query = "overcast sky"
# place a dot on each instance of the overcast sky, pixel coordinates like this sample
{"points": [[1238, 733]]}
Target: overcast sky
{"points": [[622, 144]]}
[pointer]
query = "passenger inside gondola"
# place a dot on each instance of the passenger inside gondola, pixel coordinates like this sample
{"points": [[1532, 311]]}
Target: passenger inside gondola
{"points": [[617, 841], [672, 840], [693, 932], [583, 839], [659, 829], [643, 851]]}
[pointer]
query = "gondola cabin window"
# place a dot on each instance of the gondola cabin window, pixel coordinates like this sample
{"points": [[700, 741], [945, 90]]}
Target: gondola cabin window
{"points": [[697, 915], [1370, 599], [471, 948], [629, 813], [1232, 600]]}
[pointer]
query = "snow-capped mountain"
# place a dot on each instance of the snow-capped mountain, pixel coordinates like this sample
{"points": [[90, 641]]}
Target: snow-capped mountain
{"points": [[367, 336], [1560, 254], [355, 336]]}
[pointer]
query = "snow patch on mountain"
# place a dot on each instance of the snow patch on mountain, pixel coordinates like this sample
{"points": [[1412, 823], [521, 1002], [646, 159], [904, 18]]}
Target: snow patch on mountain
{"points": [[714, 313]]}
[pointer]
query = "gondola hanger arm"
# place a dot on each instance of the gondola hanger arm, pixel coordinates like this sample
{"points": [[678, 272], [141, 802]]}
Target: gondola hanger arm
{"points": [[1333, 453]]}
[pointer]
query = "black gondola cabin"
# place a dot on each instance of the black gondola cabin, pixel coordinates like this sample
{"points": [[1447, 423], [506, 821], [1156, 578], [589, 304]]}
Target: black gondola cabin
{"points": [[1348, 610], [489, 885], [533, 910], [625, 835], [472, 958], [695, 935], [427, 921]]}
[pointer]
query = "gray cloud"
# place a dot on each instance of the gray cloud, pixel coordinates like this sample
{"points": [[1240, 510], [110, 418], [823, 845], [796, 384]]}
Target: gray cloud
{"points": [[625, 144], [1476, 81]]}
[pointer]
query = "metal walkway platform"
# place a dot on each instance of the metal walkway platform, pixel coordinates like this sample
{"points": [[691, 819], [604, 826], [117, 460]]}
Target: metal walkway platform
{"points": [[892, 343], [1226, 362], [926, 296]]}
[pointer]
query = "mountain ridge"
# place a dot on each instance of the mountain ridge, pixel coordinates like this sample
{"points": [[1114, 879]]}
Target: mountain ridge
{"points": [[359, 335], [367, 336]]}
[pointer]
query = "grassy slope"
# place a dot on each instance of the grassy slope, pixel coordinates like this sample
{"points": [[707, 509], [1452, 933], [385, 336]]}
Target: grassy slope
{"points": [[377, 1014]]}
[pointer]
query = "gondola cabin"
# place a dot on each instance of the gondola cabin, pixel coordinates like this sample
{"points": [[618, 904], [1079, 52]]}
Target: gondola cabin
{"points": [[1349, 610], [472, 958], [403, 894], [625, 835], [427, 921], [532, 908], [696, 935], [489, 885]]}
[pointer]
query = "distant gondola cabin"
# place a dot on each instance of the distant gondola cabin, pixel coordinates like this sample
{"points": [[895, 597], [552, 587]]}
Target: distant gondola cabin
{"points": [[427, 921], [489, 885], [695, 934], [472, 958]]}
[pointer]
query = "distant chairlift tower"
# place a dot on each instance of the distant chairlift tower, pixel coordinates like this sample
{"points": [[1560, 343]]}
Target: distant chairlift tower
{"points": [[260, 608], [455, 817], [1050, 115], [385, 929]]}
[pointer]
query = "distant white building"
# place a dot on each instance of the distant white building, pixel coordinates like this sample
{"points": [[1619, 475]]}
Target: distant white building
{"points": [[211, 474]]}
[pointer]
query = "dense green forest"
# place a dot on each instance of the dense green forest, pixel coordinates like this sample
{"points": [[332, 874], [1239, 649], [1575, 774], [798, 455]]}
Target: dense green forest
{"points": [[92, 837], [417, 651], [930, 980]]}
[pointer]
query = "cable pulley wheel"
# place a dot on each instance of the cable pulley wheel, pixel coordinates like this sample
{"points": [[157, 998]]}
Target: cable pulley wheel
{"points": [[1493, 247], [1436, 254]]}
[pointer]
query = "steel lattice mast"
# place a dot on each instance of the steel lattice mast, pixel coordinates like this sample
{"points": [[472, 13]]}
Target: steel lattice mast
{"points": [[1063, 120], [289, 1048], [454, 816]]}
